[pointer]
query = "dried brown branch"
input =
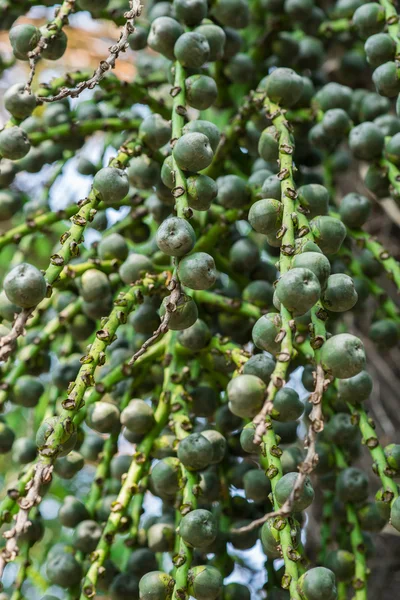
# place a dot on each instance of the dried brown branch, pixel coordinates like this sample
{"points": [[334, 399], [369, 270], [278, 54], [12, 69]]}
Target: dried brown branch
{"points": [[8, 342], [22, 523], [108, 63]]}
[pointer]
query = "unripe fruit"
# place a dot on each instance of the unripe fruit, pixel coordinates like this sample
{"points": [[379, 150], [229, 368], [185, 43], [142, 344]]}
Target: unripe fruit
{"points": [[384, 333], [259, 293], [67, 466], [23, 39], [339, 294], [315, 262], [268, 144], [369, 19], [216, 38], [14, 143], [155, 131], [284, 87], [341, 563], [166, 475], [232, 191], [112, 184], [175, 237], [184, 314], [143, 172], [265, 216], [19, 102], [201, 191], [315, 198], [265, 332], [7, 437], [25, 285], [156, 585], [386, 80], [86, 536], [298, 290], [343, 355], [198, 528], [352, 485], [340, 429], [27, 391], [329, 233], [134, 267], [354, 210], [72, 512], [138, 417], [284, 488], [218, 443], [192, 50], [357, 388], [246, 395], [336, 123], [232, 13], [197, 271], [205, 582], [24, 450], [64, 570], [201, 91], [103, 417], [260, 365], [193, 152], [94, 285], [247, 439], [124, 585], [257, 486], [318, 583], [334, 95], [366, 141], [395, 513], [392, 149], [195, 452], [138, 39], [113, 246], [236, 591], [196, 337], [379, 48], [287, 405], [164, 32], [207, 128]]}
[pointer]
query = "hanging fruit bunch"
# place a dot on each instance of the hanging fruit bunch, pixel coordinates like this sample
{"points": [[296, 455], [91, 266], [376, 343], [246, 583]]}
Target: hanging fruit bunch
{"points": [[184, 374]]}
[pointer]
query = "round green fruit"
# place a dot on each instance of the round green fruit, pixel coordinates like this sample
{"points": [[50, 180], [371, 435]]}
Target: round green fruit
{"points": [[357, 388], [287, 405], [257, 486], [284, 488], [175, 237], [138, 417], [192, 50], [196, 337], [164, 32], [284, 87], [339, 294], [343, 355], [329, 233], [318, 583], [184, 315], [195, 452], [19, 102], [352, 485], [156, 585], [197, 271], [265, 332], [201, 91], [198, 528], [205, 582], [166, 475], [14, 143], [298, 290], [246, 395]]}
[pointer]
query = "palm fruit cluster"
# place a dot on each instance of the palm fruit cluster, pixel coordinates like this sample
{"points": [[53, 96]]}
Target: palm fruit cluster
{"points": [[185, 384]]}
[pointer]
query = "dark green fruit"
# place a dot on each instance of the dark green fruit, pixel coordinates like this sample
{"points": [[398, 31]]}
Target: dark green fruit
{"points": [[138, 39], [354, 210], [232, 191], [386, 80], [143, 172], [384, 333], [86, 536], [287, 405], [191, 12], [195, 451], [284, 487], [19, 102], [92, 447], [318, 583], [184, 315], [164, 32], [196, 337], [366, 141], [204, 399], [192, 50], [395, 513], [94, 285], [265, 332], [232, 13], [24, 450], [291, 458], [260, 365], [112, 184], [134, 267], [271, 188], [342, 564], [25, 285], [216, 38], [119, 465], [329, 233], [7, 437], [193, 152], [339, 294], [315, 198], [244, 255], [141, 561], [352, 485], [356, 389], [23, 39], [208, 129], [284, 87], [155, 131], [205, 582], [201, 191], [369, 19], [298, 290], [265, 216], [370, 266], [334, 95], [14, 143], [201, 91], [268, 144], [46, 429], [103, 417], [166, 475], [198, 528], [372, 106], [27, 391], [246, 395], [113, 246], [392, 149], [379, 48], [392, 453], [72, 512], [175, 237], [218, 443], [372, 517], [66, 467], [259, 293], [197, 271], [336, 123], [138, 417], [257, 486], [240, 69], [236, 591], [270, 539], [343, 355], [340, 429], [247, 439], [156, 585], [315, 262], [123, 586], [64, 570]]}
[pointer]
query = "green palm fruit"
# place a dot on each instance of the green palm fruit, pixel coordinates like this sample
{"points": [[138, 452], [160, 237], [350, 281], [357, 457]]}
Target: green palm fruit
{"points": [[218, 443], [216, 38], [395, 514], [257, 178], [160, 536], [369, 265], [243, 540], [7, 308], [246, 395], [369, 19], [232, 13], [140, 562], [206, 128], [191, 12], [240, 69], [7, 437], [384, 333], [371, 517], [257, 486], [163, 35], [138, 417], [201, 91], [195, 338], [123, 586], [247, 439], [318, 583], [341, 563], [167, 172], [352, 485], [392, 453], [271, 188], [270, 540], [94, 284], [329, 233], [298, 290], [137, 40], [155, 585], [315, 198], [284, 87], [160, 10], [166, 475], [366, 141], [196, 452], [134, 267], [265, 332], [236, 591], [204, 400], [339, 294], [336, 123], [67, 466], [233, 191], [244, 255], [24, 451], [55, 46], [315, 262], [175, 237], [389, 124], [64, 570], [184, 315], [386, 81], [284, 488], [340, 429], [268, 145], [334, 95], [87, 535], [259, 293], [14, 143], [19, 102], [354, 210], [372, 106], [307, 378], [198, 528], [143, 172], [192, 50], [299, 10], [113, 246], [265, 216], [392, 149], [92, 446], [379, 49], [197, 271], [72, 512], [24, 38], [157, 209], [155, 131], [291, 458], [205, 582], [112, 184], [86, 167], [357, 388], [260, 365], [287, 405], [27, 391], [201, 191], [103, 416]]}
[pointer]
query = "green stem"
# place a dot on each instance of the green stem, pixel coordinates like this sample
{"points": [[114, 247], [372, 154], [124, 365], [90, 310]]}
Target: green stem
{"points": [[83, 128], [178, 121], [237, 307], [392, 21]]}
